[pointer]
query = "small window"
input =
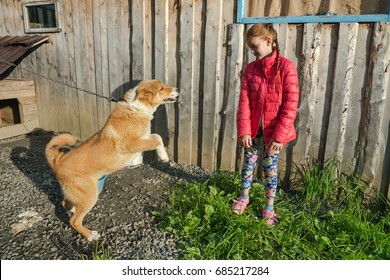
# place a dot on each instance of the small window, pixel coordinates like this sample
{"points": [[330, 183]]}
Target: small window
{"points": [[40, 17]]}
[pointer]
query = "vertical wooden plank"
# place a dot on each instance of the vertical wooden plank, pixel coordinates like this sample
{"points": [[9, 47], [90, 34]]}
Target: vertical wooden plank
{"points": [[84, 62], [172, 75], [141, 40], [61, 72], [72, 99], [99, 14], [293, 52], [115, 61], [354, 117], [161, 16], [8, 16], [211, 101], [43, 89], [148, 41], [323, 94], [335, 143], [235, 43], [382, 179], [137, 42], [3, 26], [224, 112], [308, 78], [161, 68], [294, 43], [185, 106], [198, 50], [376, 91], [125, 46]]}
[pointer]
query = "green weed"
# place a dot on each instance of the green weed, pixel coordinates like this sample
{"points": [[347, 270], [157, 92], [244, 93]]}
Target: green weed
{"points": [[322, 217], [102, 253]]}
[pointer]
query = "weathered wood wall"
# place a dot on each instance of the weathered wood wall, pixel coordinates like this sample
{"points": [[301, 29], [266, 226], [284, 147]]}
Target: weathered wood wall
{"points": [[107, 46]]}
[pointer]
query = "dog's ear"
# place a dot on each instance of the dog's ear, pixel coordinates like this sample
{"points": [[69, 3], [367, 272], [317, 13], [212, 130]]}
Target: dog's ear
{"points": [[130, 95], [142, 94]]}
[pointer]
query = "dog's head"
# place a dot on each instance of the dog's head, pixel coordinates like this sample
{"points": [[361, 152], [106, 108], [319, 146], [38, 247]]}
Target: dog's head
{"points": [[151, 93]]}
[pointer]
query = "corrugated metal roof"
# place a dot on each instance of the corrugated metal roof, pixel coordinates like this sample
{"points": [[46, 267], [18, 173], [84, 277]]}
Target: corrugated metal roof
{"points": [[13, 48]]}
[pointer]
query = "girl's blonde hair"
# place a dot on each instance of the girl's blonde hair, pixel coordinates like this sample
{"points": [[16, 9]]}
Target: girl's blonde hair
{"points": [[265, 30]]}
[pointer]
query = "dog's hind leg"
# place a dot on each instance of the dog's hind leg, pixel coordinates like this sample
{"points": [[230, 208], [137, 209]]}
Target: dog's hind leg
{"points": [[82, 209]]}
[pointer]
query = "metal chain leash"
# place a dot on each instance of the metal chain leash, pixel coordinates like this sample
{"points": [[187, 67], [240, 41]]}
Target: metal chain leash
{"points": [[110, 99]]}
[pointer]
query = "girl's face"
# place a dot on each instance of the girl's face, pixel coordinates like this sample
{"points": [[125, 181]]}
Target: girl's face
{"points": [[260, 47]]}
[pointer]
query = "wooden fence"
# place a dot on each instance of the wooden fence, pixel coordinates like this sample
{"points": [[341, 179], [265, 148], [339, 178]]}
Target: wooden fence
{"points": [[106, 46]]}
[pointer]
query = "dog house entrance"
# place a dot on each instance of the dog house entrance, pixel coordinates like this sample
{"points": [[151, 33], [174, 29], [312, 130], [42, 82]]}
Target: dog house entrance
{"points": [[18, 107], [9, 112]]}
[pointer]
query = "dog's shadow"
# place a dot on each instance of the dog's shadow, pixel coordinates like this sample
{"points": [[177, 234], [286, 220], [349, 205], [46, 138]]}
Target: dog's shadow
{"points": [[32, 163]]}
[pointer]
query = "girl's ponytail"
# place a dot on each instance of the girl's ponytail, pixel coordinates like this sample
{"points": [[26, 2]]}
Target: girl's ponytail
{"points": [[277, 48]]}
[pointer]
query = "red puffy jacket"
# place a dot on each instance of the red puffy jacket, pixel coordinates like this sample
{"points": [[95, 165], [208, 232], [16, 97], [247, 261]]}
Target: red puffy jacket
{"points": [[270, 97]]}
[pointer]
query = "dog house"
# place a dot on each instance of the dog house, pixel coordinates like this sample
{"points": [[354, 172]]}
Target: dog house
{"points": [[18, 107], [18, 103]]}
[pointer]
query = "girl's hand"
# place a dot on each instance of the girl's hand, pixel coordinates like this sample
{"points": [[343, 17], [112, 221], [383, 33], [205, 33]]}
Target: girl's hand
{"points": [[274, 145], [245, 141]]}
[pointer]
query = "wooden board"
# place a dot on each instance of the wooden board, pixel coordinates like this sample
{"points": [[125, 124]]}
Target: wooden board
{"points": [[186, 82], [375, 99], [172, 70], [308, 76], [84, 62], [101, 26], [24, 92], [344, 65], [228, 135], [211, 87]]}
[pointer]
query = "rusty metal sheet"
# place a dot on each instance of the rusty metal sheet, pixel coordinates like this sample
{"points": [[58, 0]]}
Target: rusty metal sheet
{"points": [[12, 48]]}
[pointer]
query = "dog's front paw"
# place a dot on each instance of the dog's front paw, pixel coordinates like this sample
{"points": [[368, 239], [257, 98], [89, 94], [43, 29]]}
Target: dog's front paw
{"points": [[163, 158], [162, 154], [93, 236], [136, 161]]}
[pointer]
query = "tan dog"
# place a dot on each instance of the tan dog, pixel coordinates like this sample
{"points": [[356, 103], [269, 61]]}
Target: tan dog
{"points": [[124, 136]]}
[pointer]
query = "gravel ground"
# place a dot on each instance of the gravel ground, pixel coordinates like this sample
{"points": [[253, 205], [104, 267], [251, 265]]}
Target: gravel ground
{"points": [[35, 226]]}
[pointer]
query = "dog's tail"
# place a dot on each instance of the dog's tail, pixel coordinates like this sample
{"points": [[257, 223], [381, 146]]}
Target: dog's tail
{"points": [[53, 152]]}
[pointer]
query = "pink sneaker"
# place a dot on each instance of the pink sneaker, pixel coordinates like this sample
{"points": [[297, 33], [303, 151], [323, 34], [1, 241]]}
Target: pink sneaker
{"points": [[270, 216]]}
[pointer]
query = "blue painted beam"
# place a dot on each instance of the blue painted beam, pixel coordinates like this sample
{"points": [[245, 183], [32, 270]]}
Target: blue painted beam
{"points": [[240, 10], [310, 19]]}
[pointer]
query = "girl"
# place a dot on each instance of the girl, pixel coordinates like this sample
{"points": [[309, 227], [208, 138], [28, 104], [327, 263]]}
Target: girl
{"points": [[267, 107]]}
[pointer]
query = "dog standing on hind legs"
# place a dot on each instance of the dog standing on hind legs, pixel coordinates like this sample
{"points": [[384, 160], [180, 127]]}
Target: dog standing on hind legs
{"points": [[124, 136]]}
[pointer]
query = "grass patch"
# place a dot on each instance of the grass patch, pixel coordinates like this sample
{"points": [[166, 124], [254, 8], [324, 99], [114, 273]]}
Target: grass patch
{"points": [[322, 217], [102, 252]]}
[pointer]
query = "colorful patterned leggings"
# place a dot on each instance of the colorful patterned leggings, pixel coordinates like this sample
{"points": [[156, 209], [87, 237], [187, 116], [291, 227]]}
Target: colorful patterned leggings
{"points": [[269, 165]]}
